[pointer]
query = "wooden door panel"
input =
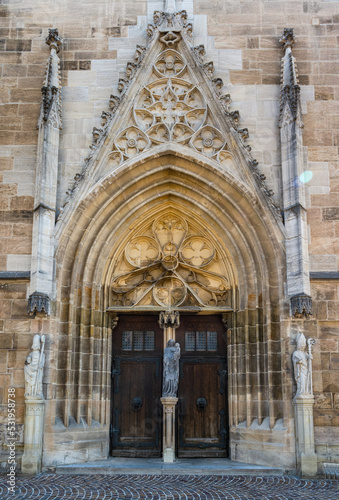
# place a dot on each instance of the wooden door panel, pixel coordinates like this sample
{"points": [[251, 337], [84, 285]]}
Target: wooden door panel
{"points": [[202, 415], [136, 389], [202, 428]]}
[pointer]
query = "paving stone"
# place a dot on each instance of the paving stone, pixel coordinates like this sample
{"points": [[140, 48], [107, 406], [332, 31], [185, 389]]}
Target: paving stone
{"points": [[95, 487]]}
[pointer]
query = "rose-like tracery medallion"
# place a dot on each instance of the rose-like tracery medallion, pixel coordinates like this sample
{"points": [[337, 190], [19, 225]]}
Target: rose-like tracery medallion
{"points": [[169, 292], [171, 268]]}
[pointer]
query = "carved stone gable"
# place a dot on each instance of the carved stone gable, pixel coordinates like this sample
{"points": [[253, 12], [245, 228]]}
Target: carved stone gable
{"points": [[169, 95]]}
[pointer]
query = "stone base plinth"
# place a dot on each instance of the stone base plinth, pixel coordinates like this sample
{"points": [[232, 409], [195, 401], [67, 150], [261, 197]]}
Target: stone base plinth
{"points": [[168, 454], [34, 424], [304, 433]]}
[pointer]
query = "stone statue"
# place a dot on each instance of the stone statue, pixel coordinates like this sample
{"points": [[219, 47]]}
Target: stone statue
{"points": [[171, 369], [302, 364], [34, 367]]}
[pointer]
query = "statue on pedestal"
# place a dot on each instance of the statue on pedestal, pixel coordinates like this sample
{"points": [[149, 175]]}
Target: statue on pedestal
{"points": [[302, 364], [34, 366], [171, 369]]}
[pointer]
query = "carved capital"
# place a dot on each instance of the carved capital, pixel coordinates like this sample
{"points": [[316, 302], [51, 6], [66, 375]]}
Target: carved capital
{"points": [[287, 39], [301, 306], [38, 303], [54, 40], [169, 319], [114, 321]]}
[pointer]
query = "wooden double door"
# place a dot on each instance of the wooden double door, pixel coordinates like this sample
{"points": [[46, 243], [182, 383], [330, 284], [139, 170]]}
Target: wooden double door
{"points": [[136, 421]]}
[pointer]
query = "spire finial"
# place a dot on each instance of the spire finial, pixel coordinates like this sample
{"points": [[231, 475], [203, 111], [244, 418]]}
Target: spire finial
{"points": [[287, 40], [54, 40]]}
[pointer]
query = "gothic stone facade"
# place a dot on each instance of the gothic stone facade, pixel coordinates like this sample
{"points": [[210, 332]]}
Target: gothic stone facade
{"points": [[182, 162]]}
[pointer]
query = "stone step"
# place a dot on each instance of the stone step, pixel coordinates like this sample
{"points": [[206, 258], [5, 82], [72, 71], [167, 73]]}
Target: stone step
{"points": [[222, 466]]}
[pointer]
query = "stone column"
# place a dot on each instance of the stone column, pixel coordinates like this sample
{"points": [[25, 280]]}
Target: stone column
{"points": [[34, 424], [168, 437], [306, 457], [169, 321]]}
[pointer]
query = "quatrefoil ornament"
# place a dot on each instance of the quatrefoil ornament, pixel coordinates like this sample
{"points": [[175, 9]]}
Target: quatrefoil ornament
{"points": [[171, 266]]}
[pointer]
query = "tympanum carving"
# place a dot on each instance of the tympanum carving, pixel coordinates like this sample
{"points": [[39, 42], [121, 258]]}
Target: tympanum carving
{"points": [[169, 267]]}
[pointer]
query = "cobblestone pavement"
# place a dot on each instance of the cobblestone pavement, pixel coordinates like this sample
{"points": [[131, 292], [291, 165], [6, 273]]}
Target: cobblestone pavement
{"points": [[104, 487]]}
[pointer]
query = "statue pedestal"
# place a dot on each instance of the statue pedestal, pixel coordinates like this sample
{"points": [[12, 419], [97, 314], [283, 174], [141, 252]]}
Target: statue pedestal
{"points": [[304, 431], [34, 424], [168, 453]]}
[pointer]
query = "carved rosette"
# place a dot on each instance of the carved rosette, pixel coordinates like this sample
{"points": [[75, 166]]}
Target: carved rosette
{"points": [[168, 267]]}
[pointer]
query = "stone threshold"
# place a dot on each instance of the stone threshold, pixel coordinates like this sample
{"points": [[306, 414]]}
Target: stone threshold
{"points": [[155, 467]]}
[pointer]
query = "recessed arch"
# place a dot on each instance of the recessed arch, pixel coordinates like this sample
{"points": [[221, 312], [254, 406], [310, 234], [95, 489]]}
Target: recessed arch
{"points": [[91, 235]]}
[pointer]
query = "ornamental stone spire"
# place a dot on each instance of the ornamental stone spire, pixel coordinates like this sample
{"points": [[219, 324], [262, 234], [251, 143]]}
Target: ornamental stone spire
{"points": [[293, 186], [46, 178]]}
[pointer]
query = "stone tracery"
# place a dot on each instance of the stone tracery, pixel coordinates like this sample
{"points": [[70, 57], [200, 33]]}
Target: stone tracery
{"points": [[169, 267], [170, 108]]}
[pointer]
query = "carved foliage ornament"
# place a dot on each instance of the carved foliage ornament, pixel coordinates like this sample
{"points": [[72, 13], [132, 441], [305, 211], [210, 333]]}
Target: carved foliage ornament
{"points": [[170, 268]]}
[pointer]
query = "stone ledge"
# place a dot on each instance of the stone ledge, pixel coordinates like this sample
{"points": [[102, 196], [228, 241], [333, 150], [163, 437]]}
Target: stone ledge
{"points": [[324, 275], [14, 275]]}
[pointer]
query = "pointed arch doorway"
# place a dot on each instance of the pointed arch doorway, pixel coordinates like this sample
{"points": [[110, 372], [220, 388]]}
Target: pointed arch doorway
{"points": [[137, 413], [170, 263]]}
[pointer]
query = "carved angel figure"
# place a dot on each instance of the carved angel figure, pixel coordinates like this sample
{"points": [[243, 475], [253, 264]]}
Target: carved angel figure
{"points": [[171, 369], [34, 366], [302, 364]]}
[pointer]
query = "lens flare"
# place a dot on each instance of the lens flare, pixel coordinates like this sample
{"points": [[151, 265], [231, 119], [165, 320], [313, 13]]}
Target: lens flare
{"points": [[306, 176]]}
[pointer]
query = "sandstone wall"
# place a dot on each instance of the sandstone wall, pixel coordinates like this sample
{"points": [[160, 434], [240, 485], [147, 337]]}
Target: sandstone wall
{"points": [[241, 37]]}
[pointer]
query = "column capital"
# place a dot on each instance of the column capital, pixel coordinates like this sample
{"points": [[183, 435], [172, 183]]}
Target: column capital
{"points": [[169, 319], [114, 321]]}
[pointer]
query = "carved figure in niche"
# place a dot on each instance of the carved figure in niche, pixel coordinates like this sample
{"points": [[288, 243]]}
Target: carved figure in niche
{"points": [[302, 364], [171, 369], [34, 367]]}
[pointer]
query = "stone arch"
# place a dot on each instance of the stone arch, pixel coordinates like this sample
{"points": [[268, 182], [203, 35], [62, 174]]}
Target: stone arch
{"points": [[92, 232]]}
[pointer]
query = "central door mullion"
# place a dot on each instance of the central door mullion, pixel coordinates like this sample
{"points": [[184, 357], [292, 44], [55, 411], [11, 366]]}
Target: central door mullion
{"points": [[169, 321]]}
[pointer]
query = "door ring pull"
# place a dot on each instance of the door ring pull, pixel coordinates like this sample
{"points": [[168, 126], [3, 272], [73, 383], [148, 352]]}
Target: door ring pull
{"points": [[137, 403], [201, 404]]}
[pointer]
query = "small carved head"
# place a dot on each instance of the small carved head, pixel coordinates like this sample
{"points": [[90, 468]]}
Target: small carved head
{"points": [[301, 342], [36, 342]]}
